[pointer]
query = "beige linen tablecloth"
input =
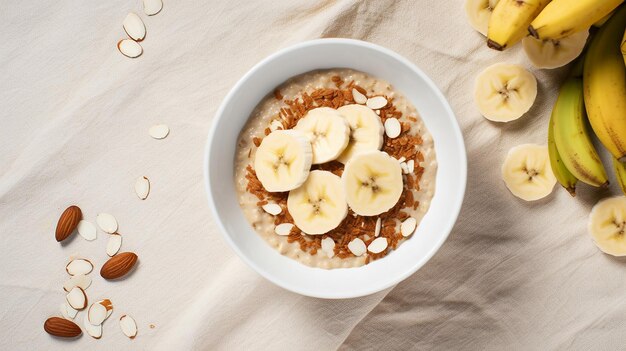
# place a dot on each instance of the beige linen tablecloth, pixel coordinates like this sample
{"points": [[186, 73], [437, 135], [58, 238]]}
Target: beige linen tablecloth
{"points": [[74, 130]]}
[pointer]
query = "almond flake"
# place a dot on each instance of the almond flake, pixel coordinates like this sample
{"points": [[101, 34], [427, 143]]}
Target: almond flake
{"points": [[142, 187], [114, 244], [134, 27], [379, 223], [159, 131], [392, 128], [358, 97], [376, 102], [96, 314], [275, 125], [405, 168], [283, 228], [79, 266], [129, 48], [76, 298], [378, 245], [128, 325], [378, 112], [87, 230], [410, 165], [408, 226], [273, 209], [80, 280], [108, 305], [152, 7], [95, 331], [357, 247], [402, 159], [106, 222], [67, 311], [328, 246]]}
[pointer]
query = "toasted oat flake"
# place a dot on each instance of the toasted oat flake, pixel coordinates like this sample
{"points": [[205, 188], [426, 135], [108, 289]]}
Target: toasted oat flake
{"points": [[378, 245], [272, 208], [357, 247], [392, 128], [159, 131], [408, 226], [328, 246], [376, 102], [283, 228], [378, 226], [358, 97]]}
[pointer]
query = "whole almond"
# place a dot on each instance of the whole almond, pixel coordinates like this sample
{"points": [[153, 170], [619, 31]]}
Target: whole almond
{"points": [[118, 265], [61, 327], [67, 222]]}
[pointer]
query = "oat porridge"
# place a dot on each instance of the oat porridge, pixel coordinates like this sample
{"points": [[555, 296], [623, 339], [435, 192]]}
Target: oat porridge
{"points": [[335, 169]]}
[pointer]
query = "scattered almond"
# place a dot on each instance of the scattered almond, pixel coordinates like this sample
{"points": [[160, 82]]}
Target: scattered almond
{"points": [[106, 222], [358, 97], [114, 244], [410, 164], [272, 208], [152, 7], [408, 226], [134, 27], [87, 230], [67, 311], [283, 228], [357, 247], [142, 187], [129, 48], [128, 325], [95, 331], [392, 128], [67, 222], [76, 298], [376, 102], [379, 223], [79, 266], [99, 311], [118, 265], [61, 327], [80, 280], [159, 131], [378, 245]]}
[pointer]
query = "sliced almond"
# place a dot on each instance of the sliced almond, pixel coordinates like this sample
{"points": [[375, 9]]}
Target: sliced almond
{"points": [[79, 266], [392, 128], [142, 187], [152, 7], [404, 167], [128, 325], [106, 222], [402, 159], [273, 209], [134, 27], [276, 125], [328, 247], [80, 280], [114, 244], [378, 245], [408, 226], [95, 331], [379, 224], [410, 164], [357, 247], [87, 230], [129, 48], [376, 102], [159, 131], [358, 97], [76, 298], [283, 229], [96, 314], [108, 305], [67, 311]]}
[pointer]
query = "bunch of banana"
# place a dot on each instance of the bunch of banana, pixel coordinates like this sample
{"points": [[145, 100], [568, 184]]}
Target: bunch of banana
{"points": [[604, 79], [562, 18], [509, 21]]}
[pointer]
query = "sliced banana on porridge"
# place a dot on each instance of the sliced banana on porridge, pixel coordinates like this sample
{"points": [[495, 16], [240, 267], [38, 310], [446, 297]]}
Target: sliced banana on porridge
{"points": [[373, 183], [283, 160], [328, 132], [319, 205], [366, 130]]}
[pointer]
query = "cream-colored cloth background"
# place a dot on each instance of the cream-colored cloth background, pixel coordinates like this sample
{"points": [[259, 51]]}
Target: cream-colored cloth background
{"points": [[74, 116]]}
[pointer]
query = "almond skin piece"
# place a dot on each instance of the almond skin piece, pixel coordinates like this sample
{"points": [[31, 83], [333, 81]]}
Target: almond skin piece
{"points": [[118, 265], [61, 327], [67, 222]]}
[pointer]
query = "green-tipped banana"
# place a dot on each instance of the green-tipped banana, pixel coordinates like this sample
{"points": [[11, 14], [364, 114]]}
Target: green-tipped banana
{"points": [[620, 173], [509, 21], [604, 81], [565, 17], [571, 136], [562, 174]]}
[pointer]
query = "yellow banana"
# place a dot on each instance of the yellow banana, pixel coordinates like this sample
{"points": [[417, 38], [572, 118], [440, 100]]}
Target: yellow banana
{"points": [[624, 47], [562, 174], [509, 21], [620, 174], [565, 17], [604, 80], [571, 136]]}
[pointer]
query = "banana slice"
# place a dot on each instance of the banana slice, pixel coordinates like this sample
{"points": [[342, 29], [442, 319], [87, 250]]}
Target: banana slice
{"points": [[527, 172], [478, 12], [554, 53], [373, 182], [607, 225], [366, 130], [283, 160], [505, 92], [328, 132], [319, 205]]}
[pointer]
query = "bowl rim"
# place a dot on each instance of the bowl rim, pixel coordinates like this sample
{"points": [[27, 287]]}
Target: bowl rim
{"points": [[454, 209]]}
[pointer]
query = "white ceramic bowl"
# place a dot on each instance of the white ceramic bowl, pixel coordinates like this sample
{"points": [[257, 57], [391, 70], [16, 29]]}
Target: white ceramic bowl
{"points": [[378, 62]]}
